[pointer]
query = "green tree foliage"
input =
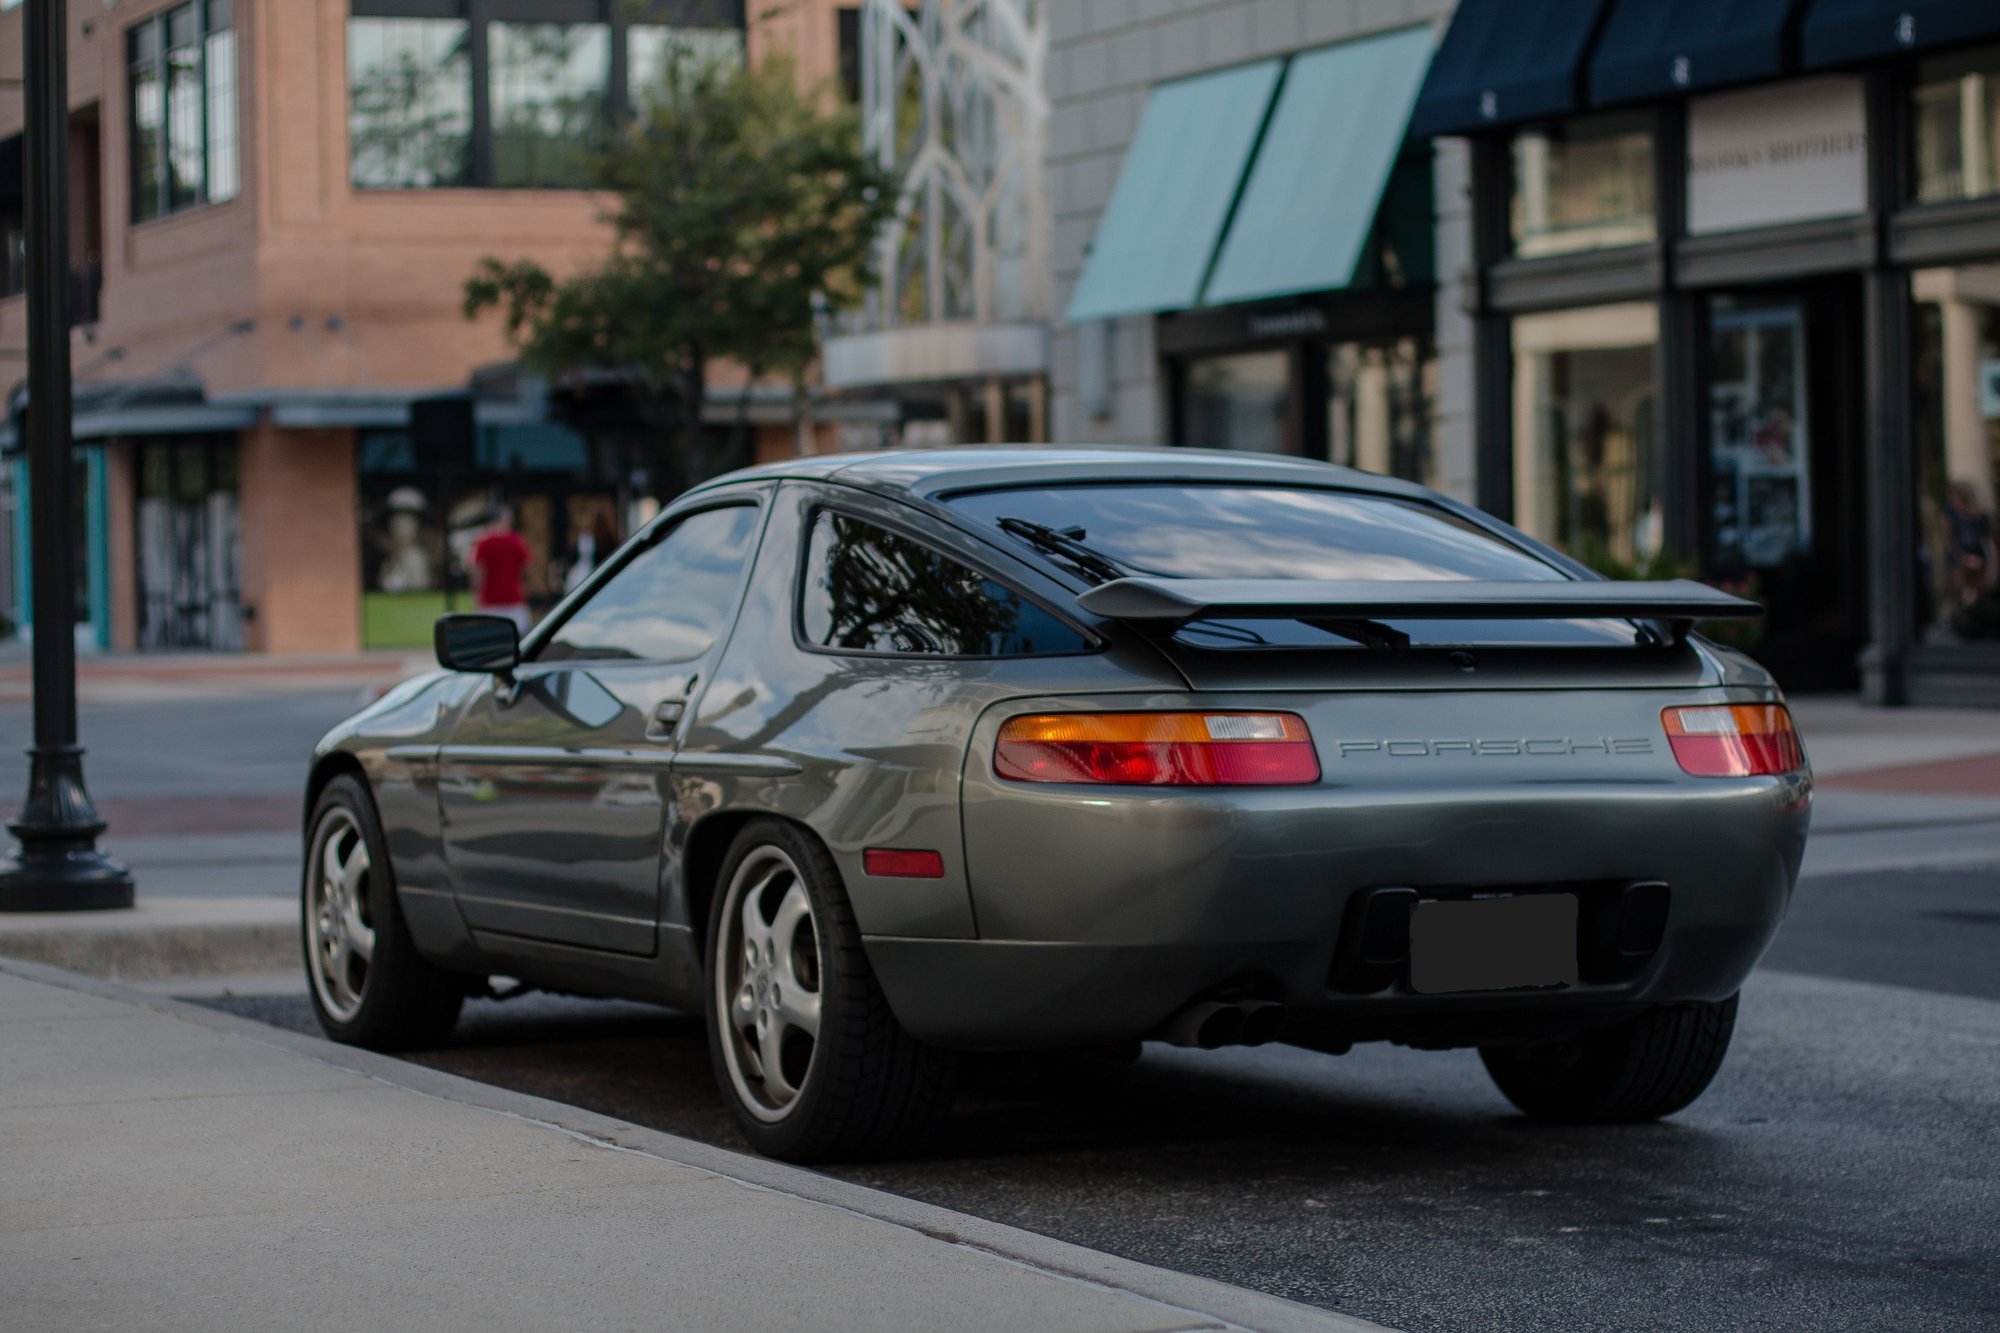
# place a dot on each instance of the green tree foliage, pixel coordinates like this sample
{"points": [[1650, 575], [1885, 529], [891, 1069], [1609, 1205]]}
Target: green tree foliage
{"points": [[743, 208]]}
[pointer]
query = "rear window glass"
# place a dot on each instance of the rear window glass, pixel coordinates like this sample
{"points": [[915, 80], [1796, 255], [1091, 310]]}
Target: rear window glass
{"points": [[1266, 532]]}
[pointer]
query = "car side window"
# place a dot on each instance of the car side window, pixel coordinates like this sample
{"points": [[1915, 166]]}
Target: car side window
{"points": [[870, 590], [670, 601]]}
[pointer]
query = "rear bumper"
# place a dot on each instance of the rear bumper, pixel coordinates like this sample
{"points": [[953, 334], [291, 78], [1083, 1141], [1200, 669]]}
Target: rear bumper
{"points": [[1100, 919]]}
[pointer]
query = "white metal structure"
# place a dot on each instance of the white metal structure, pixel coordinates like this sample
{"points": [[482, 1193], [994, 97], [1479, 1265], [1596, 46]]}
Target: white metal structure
{"points": [[954, 103]]}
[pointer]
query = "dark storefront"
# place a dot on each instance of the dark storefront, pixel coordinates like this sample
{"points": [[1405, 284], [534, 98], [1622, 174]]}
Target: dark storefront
{"points": [[1739, 309], [1352, 379], [419, 519]]}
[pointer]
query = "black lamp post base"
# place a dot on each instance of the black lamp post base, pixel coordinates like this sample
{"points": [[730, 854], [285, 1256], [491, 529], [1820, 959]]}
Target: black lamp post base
{"points": [[57, 867], [63, 882]]}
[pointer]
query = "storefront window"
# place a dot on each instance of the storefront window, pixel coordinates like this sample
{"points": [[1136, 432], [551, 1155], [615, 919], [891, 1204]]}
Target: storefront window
{"points": [[1381, 403], [1240, 402], [1956, 111], [1583, 185], [1584, 388], [1958, 451], [190, 549], [415, 551], [1759, 435]]}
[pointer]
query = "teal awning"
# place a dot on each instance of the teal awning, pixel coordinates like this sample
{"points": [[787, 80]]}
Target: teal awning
{"points": [[1174, 193], [1333, 138]]}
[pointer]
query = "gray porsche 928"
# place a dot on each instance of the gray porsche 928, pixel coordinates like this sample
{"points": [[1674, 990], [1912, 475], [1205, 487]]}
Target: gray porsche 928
{"points": [[882, 759]]}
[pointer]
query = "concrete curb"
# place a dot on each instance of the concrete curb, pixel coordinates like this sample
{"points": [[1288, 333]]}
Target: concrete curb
{"points": [[161, 939], [1216, 1304]]}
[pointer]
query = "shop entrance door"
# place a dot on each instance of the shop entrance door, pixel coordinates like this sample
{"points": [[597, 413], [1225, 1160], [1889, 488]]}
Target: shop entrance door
{"points": [[1760, 437], [190, 545], [1785, 406]]}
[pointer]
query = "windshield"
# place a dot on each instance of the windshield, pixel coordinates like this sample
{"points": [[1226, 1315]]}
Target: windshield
{"points": [[1232, 531]]}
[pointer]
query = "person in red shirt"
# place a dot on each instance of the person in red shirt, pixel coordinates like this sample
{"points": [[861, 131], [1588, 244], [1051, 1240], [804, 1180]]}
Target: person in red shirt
{"points": [[500, 558]]}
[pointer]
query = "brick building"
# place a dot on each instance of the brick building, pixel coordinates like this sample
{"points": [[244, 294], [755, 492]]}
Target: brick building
{"points": [[276, 205]]}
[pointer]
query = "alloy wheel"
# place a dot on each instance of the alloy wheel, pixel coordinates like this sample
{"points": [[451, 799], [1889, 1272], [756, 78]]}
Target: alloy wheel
{"points": [[767, 982], [338, 915]]}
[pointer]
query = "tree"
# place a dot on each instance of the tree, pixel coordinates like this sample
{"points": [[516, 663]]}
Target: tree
{"points": [[744, 209]]}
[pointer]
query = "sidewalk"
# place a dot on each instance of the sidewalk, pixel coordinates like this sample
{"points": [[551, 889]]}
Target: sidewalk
{"points": [[1900, 788], [1891, 749], [173, 1168]]}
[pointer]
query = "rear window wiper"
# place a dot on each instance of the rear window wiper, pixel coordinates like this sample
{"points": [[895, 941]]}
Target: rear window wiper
{"points": [[1368, 633], [1068, 544]]}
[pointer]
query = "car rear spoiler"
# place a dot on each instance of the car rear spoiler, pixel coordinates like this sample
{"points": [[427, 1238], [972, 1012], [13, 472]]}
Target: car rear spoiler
{"points": [[1171, 603]]}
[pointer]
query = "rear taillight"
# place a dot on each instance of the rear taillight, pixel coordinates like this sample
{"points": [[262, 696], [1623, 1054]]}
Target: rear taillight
{"points": [[1734, 740], [1158, 749]]}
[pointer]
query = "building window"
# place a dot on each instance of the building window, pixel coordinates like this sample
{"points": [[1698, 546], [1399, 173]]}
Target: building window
{"points": [[183, 106], [1381, 402], [1585, 184], [409, 108], [1958, 451], [546, 83], [513, 94], [847, 41], [1241, 401], [1956, 116], [1584, 389], [656, 53]]}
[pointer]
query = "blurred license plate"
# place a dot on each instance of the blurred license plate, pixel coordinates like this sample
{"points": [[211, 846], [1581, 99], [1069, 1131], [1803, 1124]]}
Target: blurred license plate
{"points": [[1493, 943]]}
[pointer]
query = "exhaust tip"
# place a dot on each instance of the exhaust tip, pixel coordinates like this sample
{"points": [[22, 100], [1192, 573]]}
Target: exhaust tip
{"points": [[1219, 1028], [1262, 1021]]}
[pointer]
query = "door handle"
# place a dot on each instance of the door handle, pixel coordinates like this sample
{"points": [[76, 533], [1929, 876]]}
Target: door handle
{"points": [[666, 716]]}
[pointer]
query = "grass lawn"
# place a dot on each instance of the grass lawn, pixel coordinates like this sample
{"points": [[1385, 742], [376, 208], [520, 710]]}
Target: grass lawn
{"points": [[401, 619]]}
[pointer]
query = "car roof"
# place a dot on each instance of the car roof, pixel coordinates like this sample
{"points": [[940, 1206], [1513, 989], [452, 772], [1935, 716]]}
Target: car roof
{"points": [[932, 472]]}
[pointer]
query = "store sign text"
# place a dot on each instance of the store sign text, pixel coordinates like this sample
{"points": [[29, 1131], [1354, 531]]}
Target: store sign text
{"points": [[1786, 153], [1286, 324]]}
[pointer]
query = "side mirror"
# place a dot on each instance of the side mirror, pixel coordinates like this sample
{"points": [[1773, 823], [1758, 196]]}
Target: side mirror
{"points": [[490, 644]]}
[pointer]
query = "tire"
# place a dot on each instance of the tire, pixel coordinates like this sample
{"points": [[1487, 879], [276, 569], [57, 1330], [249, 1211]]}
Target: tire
{"points": [[368, 984], [855, 1085], [1641, 1069]]}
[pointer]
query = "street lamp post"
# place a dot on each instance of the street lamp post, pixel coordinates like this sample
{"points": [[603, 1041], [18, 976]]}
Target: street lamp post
{"points": [[57, 866]]}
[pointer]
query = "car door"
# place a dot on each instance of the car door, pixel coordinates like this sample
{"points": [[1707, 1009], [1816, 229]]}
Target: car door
{"points": [[552, 787]]}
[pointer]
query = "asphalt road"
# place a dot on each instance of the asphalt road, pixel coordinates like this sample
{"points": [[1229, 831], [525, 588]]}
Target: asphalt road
{"points": [[1930, 927], [1842, 1173]]}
